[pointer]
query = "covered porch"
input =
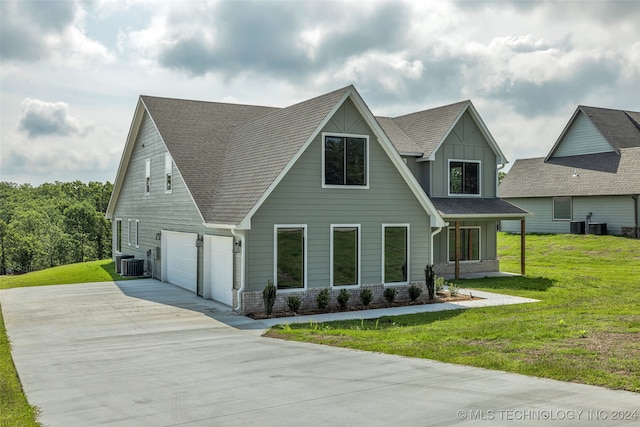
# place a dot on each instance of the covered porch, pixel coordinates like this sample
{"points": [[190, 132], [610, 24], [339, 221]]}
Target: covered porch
{"points": [[470, 238]]}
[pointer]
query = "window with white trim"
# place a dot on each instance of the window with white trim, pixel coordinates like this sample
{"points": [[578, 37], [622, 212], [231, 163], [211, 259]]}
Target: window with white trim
{"points": [[147, 177], [129, 232], [464, 177], [345, 160], [168, 173], [118, 235], [137, 239], [345, 255], [469, 244], [290, 256], [562, 209], [395, 254]]}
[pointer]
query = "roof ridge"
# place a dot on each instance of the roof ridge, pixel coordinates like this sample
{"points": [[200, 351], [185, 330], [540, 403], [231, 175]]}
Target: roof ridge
{"points": [[200, 101]]}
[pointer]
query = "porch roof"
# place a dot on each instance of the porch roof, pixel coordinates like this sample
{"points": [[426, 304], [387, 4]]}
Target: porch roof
{"points": [[477, 208]]}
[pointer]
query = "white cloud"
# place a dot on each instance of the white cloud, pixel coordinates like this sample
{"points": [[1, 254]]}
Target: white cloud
{"points": [[40, 118]]}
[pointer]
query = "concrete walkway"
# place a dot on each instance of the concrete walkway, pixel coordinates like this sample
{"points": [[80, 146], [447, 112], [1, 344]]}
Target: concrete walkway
{"points": [[145, 353]]}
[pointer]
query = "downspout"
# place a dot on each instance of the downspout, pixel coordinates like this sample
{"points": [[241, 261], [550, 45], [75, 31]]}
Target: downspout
{"points": [[498, 169], [636, 232], [243, 248], [433, 234]]}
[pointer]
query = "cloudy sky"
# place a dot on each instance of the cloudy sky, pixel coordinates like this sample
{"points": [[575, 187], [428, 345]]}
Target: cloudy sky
{"points": [[72, 71]]}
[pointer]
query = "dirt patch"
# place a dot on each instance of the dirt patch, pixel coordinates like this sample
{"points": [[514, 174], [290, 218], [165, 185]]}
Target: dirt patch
{"points": [[441, 297]]}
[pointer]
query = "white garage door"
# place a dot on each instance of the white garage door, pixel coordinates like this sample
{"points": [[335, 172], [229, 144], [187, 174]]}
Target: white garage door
{"points": [[181, 259], [218, 270]]}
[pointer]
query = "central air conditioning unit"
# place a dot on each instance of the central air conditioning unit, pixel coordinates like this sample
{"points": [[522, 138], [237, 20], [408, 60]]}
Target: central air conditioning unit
{"points": [[132, 267], [119, 259]]}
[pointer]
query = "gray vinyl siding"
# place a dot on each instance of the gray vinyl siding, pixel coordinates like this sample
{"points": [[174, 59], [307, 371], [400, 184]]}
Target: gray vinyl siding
{"points": [[582, 138], [615, 211], [464, 142], [488, 242], [157, 211], [300, 199]]}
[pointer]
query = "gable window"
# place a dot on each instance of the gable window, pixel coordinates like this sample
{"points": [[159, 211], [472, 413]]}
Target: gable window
{"points": [[118, 235], [290, 256], [345, 255], [562, 209], [395, 253], [147, 177], [345, 159], [168, 173], [464, 177], [469, 244]]}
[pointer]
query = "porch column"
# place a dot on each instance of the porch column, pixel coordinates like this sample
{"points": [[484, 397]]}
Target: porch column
{"points": [[522, 246], [457, 249]]}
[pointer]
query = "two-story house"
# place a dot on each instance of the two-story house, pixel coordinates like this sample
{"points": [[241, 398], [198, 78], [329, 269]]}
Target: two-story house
{"points": [[222, 198]]}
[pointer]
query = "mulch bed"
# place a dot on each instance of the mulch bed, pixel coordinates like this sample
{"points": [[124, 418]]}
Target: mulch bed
{"points": [[441, 297]]}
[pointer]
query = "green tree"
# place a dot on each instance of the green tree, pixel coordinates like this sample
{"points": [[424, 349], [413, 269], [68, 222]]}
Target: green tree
{"points": [[80, 220]]}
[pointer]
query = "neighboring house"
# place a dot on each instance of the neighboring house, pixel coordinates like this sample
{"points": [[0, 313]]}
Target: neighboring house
{"points": [[221, 198], [590, 180]]}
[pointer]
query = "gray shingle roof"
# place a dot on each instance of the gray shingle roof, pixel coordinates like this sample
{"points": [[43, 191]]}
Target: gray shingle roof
{"points": [[429, 127], [450, 207], [612, 173], [399, 138], [596, 175], [196, 134], [616, 126], [261, 149]]}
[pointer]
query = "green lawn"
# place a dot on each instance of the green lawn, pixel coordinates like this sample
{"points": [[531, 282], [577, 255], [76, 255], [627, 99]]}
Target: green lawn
{"points": [[585, 329], [14, 408]]}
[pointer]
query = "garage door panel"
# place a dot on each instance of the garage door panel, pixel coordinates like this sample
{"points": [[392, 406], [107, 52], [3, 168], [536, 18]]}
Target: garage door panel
{"points": [[181, 259], [219, 269]]}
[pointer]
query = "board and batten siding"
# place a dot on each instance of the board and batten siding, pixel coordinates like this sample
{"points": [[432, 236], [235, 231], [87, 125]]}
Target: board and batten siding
{"points": [[615, 211], [157, 211], [300, 199], [464, 142], [582, 138]]}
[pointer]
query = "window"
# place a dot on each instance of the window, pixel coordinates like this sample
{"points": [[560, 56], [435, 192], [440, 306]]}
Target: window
{"points": [[147, 177], [290, 256], [396, 253], [345, 255], [562, 210], [469, 244], [345, 160], [168, 173], [129, 232], [464, 177], [137, 233], [118, 235]]}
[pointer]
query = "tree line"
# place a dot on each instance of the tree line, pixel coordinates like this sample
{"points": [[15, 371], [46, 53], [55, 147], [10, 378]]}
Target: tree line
{"points": [[53, 224]]}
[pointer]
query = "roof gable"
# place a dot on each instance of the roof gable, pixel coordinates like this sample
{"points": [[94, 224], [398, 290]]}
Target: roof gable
{"points": [[231, 156], [430, 128], [596, 130]]}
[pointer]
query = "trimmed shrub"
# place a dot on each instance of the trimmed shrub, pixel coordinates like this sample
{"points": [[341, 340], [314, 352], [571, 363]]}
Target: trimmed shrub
{"points": [[414, 292], [453, 289], [323, 299], [390, 294], [439, 284], [343, 298], [269, 297], [294, 302], [366, 296]]}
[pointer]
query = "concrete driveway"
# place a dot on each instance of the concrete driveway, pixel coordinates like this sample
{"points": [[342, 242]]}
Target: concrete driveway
{"points": [[145, 353]]}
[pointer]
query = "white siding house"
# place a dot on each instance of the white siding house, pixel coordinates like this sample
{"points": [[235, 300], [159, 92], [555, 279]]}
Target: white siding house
{"points": [[589, 182]]}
